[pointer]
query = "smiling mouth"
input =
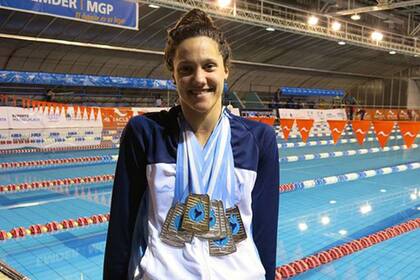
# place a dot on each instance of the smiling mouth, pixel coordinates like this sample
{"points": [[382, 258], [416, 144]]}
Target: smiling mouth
{"points": [[201, 91]]}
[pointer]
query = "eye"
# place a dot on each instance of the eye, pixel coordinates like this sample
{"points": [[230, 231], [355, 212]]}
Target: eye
{"points": [[184, 69], [210, 67]]}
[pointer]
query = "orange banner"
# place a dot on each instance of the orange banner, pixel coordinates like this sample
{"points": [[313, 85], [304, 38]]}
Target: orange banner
{"points": [[95, 112], [409, 131], [89, 112], [360, 130], [391, 114], [304, 127], [336, 127], [75, 110], [403, 115], [266, 120], [383, 131], [286, 127]]}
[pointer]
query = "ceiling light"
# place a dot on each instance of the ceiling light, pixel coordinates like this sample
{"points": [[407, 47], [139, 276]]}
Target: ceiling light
{"points": [[382, 190], [270, 29], [336, 26], [341, 43], [355, 17], [377, 36], [392, 52], [154, 6], [333, 202], [303, 226], [313, 20], [223, 3]]}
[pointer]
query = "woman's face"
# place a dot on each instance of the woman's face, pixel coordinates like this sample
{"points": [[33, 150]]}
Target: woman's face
{"points": [[199, 74]]}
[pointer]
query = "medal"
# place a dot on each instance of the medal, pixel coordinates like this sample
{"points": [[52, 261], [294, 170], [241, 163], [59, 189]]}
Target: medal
{"points": [[174, 229], [164, 235], [224, 246], [236, 225], [214, 222], [196, 214]]}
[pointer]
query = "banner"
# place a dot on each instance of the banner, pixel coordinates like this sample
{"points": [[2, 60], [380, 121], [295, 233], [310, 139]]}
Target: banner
{"points": [[360, 129], [383, 131], [336, 127], [318, 115], [409, 131], [40, 78], [24, 118], [304, 127], [116, 13], [286, 127]]}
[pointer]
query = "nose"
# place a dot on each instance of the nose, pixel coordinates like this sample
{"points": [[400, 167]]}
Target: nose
{"points": [[199, 77]]}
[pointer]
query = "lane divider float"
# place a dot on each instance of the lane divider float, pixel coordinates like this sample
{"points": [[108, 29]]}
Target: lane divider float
{"points": [[331, 142], [57, 182], [59, 149], [313, 261], [308, 184], [37, 164], [343, 153], [37, 229]]}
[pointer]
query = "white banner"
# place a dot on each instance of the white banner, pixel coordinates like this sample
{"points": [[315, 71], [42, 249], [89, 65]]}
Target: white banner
{"points": [[24, 118], [318, 115]]}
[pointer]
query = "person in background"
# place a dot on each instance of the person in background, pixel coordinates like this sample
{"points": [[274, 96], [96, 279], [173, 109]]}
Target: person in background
{"points": [[195, 194]]}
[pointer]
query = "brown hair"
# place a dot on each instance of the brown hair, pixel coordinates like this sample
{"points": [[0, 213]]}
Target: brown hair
{"points": [[195, 23]]}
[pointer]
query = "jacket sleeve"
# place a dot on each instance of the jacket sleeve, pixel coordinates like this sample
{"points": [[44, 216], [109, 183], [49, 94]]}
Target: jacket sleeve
{"points": [[130, 184], [265, 203]]}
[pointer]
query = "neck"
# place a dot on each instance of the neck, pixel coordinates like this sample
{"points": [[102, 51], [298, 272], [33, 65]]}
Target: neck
{"points": [[202, 123]]}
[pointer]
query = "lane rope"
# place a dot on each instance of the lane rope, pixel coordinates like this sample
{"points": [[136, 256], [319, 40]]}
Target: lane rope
{"points": [[347, 177], [313, 261], [344, 153]]}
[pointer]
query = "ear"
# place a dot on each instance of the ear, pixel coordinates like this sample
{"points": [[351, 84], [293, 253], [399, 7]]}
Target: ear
{"points": [[226, 73], [173, 78]]}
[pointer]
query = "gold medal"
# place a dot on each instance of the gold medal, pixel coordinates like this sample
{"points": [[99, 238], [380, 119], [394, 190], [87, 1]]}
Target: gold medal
{"points": [[196, 214], [236, 225]]}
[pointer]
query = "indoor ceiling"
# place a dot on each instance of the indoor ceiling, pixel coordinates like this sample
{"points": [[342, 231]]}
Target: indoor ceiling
{"points": [[266, 60]]}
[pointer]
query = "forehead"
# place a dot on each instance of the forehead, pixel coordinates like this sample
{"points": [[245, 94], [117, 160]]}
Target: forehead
{"points": [[197, 48]]}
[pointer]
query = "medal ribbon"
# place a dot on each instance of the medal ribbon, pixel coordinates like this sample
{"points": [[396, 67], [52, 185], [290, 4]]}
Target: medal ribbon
{"points": [[209, 169]]}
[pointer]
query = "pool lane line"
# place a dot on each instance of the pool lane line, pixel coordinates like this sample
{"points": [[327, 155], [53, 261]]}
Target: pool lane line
{"points": [[316, 260], [297, 134], [347, 177], [38, 164], [56, 182], [50, 227], [331, 142], [344, 153], [59, 149]]}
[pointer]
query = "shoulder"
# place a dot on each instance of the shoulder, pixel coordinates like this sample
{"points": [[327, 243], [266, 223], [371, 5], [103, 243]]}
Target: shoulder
{"points": [[163, 120], [260, 131]]}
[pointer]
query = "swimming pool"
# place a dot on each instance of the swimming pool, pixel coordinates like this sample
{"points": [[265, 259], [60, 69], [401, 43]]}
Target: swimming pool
{"points": [[311, 219]]}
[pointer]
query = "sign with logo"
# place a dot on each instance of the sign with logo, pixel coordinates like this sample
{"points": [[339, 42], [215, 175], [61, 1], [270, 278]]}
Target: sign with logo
{"points": [[116, 13]]}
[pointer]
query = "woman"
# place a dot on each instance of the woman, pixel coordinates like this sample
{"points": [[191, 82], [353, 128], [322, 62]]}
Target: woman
{"points": [[196, 189]]}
